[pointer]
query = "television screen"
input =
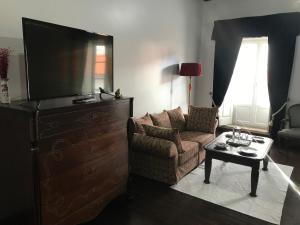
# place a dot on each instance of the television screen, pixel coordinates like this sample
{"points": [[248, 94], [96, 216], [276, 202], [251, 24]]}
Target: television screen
{"points": [[63, 61]]}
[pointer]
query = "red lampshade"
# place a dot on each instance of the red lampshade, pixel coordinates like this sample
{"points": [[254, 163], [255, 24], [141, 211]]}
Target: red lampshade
{"points": [[190, 69]]}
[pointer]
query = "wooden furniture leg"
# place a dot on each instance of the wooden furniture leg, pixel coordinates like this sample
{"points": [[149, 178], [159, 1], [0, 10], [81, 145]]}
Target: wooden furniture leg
{"points": [[208, 160], [254, 179], [265, 163]]}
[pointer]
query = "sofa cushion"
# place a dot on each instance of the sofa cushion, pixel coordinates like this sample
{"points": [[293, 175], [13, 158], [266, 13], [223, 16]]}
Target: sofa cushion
{"points": [[292, 133], [165, 133], [196, 136], [153, 146], [161, 119], [177, 118], [190, 151], [202, 119], [140, 121]]}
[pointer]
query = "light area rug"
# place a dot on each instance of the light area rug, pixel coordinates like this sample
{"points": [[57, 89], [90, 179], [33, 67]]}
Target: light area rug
{"points": [[230, 185]]}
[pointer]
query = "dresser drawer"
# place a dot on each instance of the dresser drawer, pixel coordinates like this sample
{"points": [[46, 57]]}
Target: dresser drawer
{"points": [[82, 179], [65, 155], [54, 124], [85, 183], [50, 216], [91, 210]]}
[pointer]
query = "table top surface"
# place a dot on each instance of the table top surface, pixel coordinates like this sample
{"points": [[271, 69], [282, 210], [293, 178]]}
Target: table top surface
{"points": [[261, 149]]}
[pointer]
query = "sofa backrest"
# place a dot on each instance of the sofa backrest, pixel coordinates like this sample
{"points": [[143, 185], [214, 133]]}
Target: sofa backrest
{"points": [[294, 117]]}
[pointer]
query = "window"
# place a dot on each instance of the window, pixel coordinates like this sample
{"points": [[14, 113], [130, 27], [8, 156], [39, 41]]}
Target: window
{"points": [[247, 98], [100, 66]]}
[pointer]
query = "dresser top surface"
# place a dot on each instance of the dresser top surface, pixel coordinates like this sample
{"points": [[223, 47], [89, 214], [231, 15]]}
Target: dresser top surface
{"points": [[59, 104]]}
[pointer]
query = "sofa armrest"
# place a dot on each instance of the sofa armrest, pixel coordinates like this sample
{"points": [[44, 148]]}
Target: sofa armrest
{"points": [[155, 146], [186, 116], [284, 123]]}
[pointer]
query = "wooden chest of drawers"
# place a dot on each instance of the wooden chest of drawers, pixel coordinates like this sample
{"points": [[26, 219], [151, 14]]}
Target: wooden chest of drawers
{"points": [[73, 161]]}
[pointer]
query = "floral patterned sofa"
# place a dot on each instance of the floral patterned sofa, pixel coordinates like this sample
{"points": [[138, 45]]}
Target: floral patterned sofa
{"points": [[167, 146]]}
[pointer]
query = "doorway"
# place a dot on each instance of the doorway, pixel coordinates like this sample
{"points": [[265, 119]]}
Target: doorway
{"points": [[246, 102]]}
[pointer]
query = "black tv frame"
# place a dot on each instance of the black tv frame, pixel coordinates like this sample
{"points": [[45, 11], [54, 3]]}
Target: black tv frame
{"points": [[24, 20]]}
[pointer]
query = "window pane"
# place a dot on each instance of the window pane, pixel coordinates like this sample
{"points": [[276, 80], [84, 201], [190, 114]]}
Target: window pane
{"points": [[262, 94], [242, 82], [100, 58], [100, 61], [100, 69], [100, 50], [99, 82]]}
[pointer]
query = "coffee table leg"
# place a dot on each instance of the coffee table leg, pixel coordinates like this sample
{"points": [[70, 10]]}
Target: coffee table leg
{"points": [[207, 169], [254, 180], [265, 162]]}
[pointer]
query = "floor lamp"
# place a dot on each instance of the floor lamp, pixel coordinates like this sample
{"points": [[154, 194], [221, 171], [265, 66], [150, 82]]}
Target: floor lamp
{"points": [[191, 70]]}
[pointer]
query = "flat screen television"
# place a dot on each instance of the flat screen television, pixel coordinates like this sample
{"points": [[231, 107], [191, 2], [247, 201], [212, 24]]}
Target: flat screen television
{"points": [[63, 61]]}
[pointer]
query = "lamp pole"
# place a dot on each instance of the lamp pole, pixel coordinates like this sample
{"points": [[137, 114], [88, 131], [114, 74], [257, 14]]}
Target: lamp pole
{"points": [[190, 90], [190, 69]]}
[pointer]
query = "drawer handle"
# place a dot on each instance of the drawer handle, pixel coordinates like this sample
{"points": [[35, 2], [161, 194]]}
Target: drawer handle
{"points": [[34, 149], [58, 142]]}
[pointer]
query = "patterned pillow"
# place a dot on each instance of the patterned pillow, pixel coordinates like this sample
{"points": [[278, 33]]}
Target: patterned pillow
{"points": [[169, 134], [177, 118], [140, 121], [202, 119], [161, 119]]}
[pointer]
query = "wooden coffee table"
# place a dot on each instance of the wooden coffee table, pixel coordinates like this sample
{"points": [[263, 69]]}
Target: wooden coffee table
{"points": [[231, 154]]}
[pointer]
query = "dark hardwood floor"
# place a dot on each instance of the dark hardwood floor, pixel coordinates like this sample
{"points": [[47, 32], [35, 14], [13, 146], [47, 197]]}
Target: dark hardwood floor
{"points": [[154, 203]]}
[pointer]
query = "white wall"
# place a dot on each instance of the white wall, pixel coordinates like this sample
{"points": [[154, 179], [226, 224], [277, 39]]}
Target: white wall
{"points": [[149, 36], [219, 10]]}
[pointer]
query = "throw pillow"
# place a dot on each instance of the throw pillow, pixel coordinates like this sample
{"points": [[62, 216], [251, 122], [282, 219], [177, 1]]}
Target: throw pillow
{"points": [[169, 134], [202, 119], [140, 121], [177, 118], [161, 119]]}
